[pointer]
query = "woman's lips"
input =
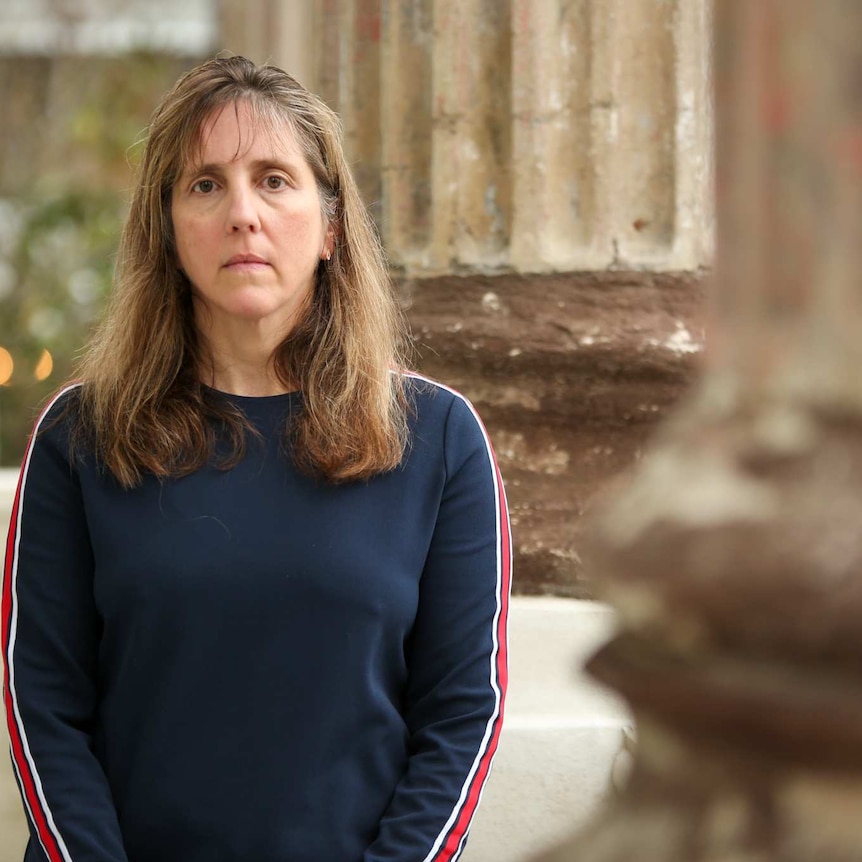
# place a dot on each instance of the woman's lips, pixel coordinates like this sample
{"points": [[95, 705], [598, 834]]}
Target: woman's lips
{"points": [[243, 261]]}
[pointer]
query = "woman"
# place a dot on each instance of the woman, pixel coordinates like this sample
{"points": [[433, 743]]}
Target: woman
{"points": [[255, 594]]}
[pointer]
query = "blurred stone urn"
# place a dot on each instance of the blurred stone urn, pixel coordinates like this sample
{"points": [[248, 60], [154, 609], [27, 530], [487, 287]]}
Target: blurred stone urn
{"points": [[733, 555]]}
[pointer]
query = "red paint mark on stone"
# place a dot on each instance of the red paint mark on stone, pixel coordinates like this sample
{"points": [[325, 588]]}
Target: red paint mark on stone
{"points": [[368, 26]]}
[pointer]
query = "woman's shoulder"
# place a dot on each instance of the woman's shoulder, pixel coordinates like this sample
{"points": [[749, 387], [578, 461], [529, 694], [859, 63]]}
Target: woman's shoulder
{"points": [[429, 395], [437, 404], [446, 423], [60, 414], [63, 404]]}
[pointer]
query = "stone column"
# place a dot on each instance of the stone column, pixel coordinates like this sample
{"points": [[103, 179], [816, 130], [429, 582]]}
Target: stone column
{"points": [[734, 557], [348, 77], [471, 134], [511, 135], [514, 135], [556, 221], [612, 124], [406, 116], [274, 31]]}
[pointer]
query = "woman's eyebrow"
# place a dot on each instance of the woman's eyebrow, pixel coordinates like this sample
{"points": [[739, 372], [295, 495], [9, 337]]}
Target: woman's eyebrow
{"points": [[201, 168], [284, 164], [288, 165]]}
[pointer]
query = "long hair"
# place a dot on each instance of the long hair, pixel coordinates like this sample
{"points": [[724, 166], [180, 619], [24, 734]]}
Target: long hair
{"points": [[142, 402]]}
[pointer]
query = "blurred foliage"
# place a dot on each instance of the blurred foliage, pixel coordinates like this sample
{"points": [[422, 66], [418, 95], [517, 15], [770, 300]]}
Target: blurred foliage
{"points": [[56, 265], [109, 127], [63, 191]]}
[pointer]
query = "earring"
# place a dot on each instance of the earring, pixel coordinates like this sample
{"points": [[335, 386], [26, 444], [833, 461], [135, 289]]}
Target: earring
{"points": [[328, 255]]}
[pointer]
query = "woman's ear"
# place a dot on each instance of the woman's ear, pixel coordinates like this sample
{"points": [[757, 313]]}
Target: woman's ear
{"points": [[328, 245]]}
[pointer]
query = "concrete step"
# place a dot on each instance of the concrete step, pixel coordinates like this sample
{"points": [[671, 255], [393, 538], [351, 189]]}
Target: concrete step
{"points": [[561, 734]]}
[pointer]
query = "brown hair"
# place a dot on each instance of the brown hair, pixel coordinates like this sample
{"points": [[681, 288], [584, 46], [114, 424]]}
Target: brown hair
{"points": [[143, 404]]}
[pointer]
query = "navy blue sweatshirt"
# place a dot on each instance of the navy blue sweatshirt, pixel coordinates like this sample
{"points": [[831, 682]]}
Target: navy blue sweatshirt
{"points": [[251, 665]]}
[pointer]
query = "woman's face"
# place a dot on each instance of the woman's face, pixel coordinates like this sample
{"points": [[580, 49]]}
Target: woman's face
{"points": [[248, 225]]}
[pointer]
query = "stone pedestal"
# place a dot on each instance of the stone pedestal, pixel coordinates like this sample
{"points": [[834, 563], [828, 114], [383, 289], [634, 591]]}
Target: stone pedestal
{"points": [[734, 556]]}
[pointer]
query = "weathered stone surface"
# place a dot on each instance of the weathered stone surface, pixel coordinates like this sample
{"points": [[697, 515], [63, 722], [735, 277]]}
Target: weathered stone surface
{"points": [[571, 374], [565, 135]]}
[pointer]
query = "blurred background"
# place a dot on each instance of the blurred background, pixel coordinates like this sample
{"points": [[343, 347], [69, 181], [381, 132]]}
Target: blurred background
{"points": [[78, 80]]}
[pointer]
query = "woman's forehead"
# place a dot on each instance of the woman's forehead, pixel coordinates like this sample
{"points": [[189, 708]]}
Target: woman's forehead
{"points": [[232, 131]]}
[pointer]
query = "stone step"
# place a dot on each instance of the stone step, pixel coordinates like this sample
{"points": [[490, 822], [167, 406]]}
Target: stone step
{"points": [[559, 741], [561, 735]]}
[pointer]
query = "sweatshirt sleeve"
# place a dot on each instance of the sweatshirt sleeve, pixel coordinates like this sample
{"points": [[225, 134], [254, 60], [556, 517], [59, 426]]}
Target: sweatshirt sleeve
{"points": [[50, 642], [457, 656]]}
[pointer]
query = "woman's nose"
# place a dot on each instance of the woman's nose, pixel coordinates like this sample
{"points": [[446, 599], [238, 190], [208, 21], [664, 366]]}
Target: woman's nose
{"points": [[242, 210]]}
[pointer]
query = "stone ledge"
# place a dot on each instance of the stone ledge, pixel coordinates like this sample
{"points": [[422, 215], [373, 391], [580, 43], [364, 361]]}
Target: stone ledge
{"points": [[545, 784], [571, 373]]}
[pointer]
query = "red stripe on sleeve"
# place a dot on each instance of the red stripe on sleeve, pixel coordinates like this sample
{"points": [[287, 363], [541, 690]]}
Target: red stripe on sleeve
{"points": [[7, 611], [456, 835]]}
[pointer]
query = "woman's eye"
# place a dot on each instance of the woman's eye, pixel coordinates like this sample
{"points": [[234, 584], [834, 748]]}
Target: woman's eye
{"points": [[203, 186], [274, 182]]}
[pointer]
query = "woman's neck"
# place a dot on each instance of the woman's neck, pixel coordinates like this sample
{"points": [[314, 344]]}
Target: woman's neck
{"points": [[240, 360], [239, 380]]}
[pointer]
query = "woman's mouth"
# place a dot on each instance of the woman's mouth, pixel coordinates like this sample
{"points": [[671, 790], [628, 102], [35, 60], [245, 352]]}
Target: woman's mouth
{"points": [[243, 261]]}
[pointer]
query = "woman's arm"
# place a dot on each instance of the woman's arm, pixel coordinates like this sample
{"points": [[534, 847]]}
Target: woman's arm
{"points": [[457, 657], [50, 644]]}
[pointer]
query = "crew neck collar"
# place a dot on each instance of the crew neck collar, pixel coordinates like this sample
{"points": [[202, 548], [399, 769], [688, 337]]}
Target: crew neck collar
{"points": [[257, 399]]}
